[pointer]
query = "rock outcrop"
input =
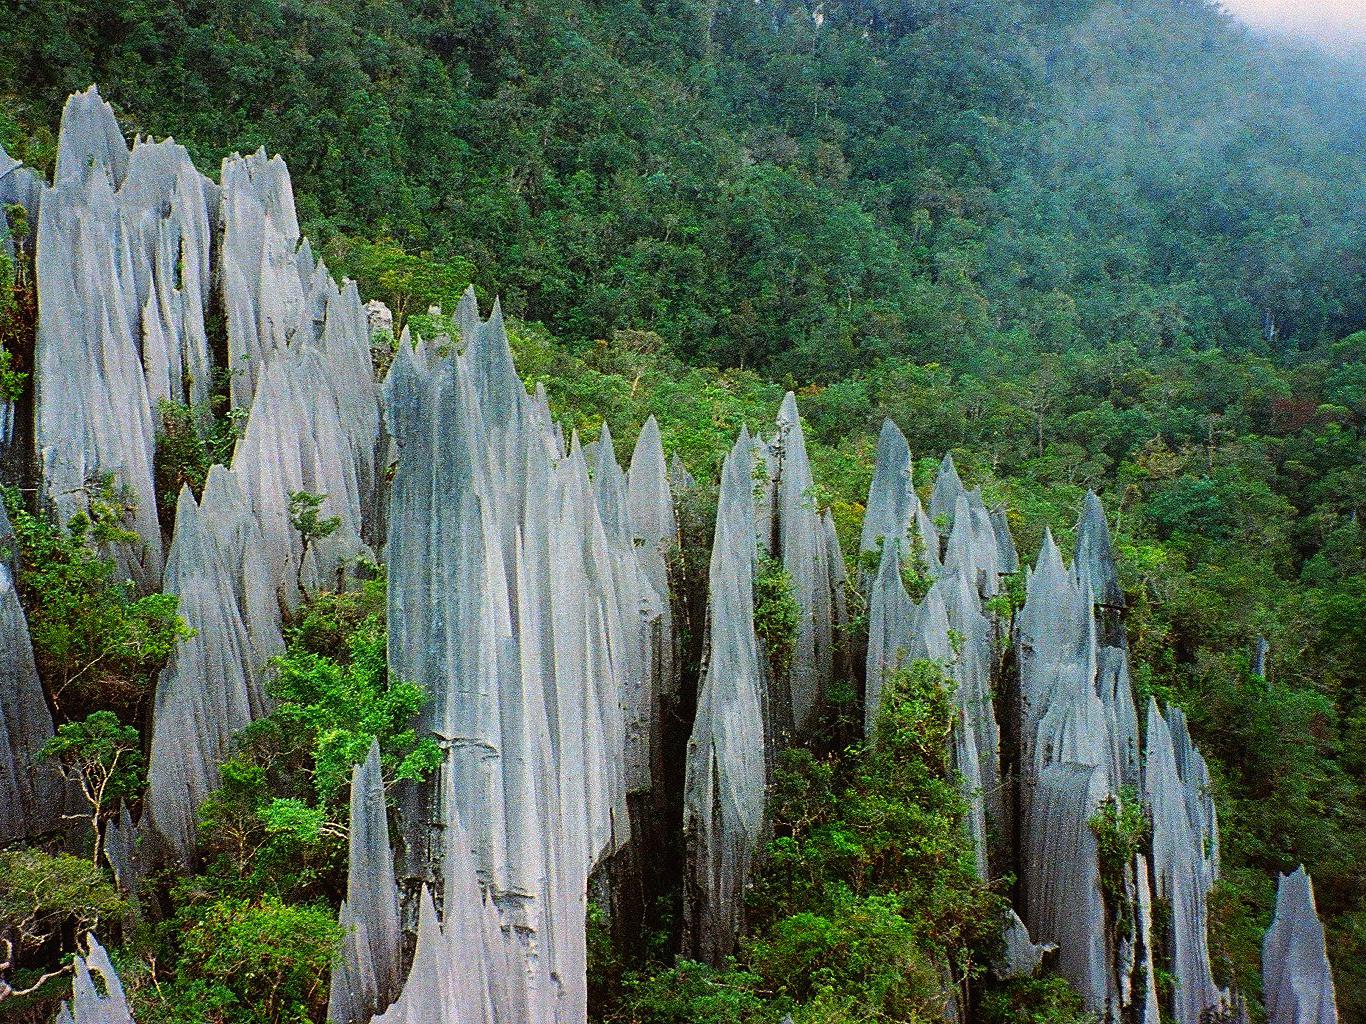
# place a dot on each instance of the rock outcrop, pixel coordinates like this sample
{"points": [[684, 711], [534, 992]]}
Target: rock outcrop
{"points": [[730, 746], [30, 791], [367, 976], [102, 1002], [1296, 979]]}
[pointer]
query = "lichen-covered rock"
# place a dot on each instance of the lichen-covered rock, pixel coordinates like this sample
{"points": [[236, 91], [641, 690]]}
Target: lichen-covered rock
{"points": [[1296, 978], [30, 791], [724, 813], [367, 976], [95, 1003]]}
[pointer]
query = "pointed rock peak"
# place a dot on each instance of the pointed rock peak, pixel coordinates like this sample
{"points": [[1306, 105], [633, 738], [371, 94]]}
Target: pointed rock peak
{"points": [[947, 489], [90, 137], [1296, 975], [1050, 558], [891, 439], [1095, 562], [606, 448], [787, 412], [680, 480]]}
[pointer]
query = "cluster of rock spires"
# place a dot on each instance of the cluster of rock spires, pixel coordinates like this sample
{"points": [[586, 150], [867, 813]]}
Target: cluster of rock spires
{"points": [[530, 593]]}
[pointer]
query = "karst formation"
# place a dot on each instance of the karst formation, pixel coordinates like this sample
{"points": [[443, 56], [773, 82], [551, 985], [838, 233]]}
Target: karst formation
{"points": [[533, 590]]}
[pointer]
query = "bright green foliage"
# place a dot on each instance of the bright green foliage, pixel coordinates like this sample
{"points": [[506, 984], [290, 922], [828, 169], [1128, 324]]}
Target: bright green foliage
{"points": [[304, 517], [102, 757], [97, 644], [694, 993], [276, 823], [43, 896], [344, 706], [777, 616], [260, 961], [407, 283]]}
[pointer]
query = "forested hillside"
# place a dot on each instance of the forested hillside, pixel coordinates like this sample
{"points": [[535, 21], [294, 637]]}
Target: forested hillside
{"points": [[1105, 244]]}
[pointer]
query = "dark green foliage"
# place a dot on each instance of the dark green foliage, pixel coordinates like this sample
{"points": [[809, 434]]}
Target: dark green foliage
{"points": [[1048, 1000], [259, 961], [777, 616], [693, 993], [97, 644], [304, 517]]}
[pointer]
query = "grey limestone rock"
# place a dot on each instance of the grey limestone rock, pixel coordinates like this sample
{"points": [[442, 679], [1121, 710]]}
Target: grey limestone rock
{"points": [[801, 541], [30, 791], [1296, 977], [92, 1003], [1022, 957], [367, 976], [210, 688], [1094, 561], [1184, 860], [724, 812]]}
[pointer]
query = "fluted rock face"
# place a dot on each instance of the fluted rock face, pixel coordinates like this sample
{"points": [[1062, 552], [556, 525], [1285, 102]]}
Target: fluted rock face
{"points": [[653, 526], [210, 688], [519, 599], [367, 976], [126, 260], [94, 408], [30, 801], [95, 1003], [894, 512], [727, 766], [1184, 861], [801, 540], [1079, 746], [1296, 978]]}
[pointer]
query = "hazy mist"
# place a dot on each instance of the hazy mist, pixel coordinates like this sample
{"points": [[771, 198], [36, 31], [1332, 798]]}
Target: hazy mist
{"points": [[1339, 24]]}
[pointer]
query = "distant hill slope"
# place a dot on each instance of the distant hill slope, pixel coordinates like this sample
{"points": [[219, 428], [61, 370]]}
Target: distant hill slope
{"points": [[763, 187]]}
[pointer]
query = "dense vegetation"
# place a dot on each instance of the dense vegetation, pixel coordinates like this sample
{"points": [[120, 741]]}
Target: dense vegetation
{"points": [[1096, 243]]}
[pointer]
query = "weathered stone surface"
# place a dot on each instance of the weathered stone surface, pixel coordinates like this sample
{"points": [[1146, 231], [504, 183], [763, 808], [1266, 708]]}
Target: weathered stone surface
{"points": [[1184, 861], [95, 1003], [1022, 957], [518, 598], [802, 544], [367, 976], [30, 791], [724, 814], [1095, 562], [893, 508], [1296, 978], [209, 690], [1063, 895]]}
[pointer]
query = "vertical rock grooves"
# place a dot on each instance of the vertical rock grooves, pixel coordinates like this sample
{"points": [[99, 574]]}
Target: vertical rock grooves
{"points": [[519, 597], [92, 1002], [730, 747]]}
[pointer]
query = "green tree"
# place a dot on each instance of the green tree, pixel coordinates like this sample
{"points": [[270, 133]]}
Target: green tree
{"points": [[102, 757]]}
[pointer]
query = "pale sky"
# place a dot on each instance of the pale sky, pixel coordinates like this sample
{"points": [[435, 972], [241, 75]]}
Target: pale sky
{"points": [[1336, 22]]}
